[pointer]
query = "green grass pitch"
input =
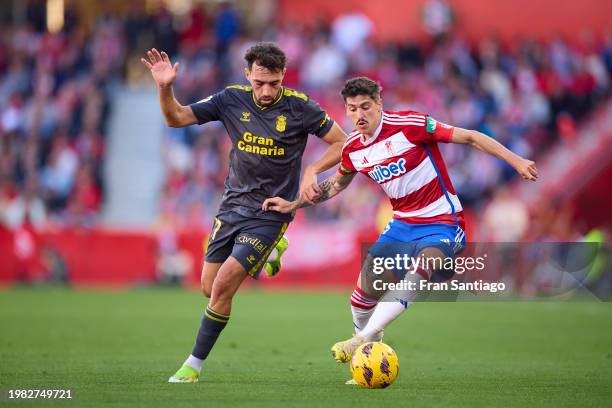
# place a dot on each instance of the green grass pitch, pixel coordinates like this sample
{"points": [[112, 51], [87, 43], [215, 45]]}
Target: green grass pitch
{"points": [[119, 348]]}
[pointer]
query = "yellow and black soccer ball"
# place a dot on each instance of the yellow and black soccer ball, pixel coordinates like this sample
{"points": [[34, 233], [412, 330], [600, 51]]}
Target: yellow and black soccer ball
{"points": [[374, 365]]}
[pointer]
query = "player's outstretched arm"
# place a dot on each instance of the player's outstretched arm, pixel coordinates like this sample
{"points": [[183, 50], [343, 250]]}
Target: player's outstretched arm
{"points": [[164, 74], [309, 189], [329, 187], [525, 167]]}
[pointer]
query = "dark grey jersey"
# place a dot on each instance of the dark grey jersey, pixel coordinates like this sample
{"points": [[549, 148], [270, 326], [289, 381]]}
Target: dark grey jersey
{"points": [[268, 143]]}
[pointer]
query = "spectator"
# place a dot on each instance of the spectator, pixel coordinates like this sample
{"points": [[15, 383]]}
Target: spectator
{"points": [[350, 31], [505, 219], [25, 209], [438, 18], [54, 100], [58, 175]]}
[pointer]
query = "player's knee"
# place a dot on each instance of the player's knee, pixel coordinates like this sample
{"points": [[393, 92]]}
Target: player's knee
{"points": [[227, 281], [207, 277], [442, 274], [206, 282], [206, 289], [220, 289], [436, 267]]}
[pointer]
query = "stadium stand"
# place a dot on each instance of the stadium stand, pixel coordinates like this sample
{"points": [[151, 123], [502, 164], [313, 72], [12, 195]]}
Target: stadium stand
{"points": [[58, 92]]}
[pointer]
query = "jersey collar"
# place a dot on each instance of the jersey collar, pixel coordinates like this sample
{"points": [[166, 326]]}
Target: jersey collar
{"points": [[278, 98], [374, 136]]}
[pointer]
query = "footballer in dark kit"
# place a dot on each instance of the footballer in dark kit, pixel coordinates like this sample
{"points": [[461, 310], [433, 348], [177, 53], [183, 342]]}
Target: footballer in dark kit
{"points": [[269, 126]]}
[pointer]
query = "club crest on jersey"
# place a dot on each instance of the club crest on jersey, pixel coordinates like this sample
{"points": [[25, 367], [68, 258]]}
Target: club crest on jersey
{"points": [[246, 117], [281, 123], [380, 174], [389, 147]]}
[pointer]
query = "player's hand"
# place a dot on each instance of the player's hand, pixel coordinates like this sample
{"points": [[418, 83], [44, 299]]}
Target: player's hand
{"points": [[527, 169], [309, 188], [279, 205], [162, 70]]}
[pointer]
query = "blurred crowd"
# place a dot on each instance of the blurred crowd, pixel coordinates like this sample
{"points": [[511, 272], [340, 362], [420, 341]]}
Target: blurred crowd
{"points": [[55, 92], [54, 105]]}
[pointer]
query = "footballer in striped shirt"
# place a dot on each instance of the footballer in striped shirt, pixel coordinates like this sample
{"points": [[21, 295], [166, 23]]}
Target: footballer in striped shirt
{"points": [[399, 151]]}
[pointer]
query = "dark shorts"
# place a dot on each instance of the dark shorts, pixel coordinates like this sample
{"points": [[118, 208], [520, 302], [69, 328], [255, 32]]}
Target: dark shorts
{"points": [[249, 240]]}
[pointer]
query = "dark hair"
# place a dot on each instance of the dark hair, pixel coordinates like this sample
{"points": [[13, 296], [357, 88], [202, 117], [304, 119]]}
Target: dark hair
{"points": [[266, 54], [361, 86]]}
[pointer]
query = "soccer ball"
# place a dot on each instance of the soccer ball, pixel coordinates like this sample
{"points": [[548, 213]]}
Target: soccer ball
{"points": [[374, 365]]}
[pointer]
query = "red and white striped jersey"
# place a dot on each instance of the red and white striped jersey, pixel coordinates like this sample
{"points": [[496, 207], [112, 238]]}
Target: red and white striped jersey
{"points": [[403, 157]]}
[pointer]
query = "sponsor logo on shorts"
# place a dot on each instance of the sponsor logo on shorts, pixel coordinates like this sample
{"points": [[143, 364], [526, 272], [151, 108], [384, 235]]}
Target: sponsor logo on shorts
{"points": [[254, 242]]}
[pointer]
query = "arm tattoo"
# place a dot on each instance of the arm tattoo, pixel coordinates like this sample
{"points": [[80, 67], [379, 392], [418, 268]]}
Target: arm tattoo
{"points": [[329, 188], [325, 186]]}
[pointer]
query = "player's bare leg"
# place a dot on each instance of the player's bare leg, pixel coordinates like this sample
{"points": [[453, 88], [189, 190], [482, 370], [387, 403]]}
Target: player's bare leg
{"points": [[209, 273], [225, 285], [363, 304], [363, 298], [386, 311], [228, 279]]}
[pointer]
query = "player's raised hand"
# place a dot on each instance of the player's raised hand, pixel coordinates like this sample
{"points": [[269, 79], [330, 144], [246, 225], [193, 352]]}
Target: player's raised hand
{"points": [[279, 205], [162, 70], [527, 169]]}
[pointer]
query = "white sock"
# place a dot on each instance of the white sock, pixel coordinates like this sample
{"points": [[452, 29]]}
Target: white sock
{"points": [[194, 363], [273, 255], [361, 317], [362, 308], [389, 307], [384, 314]]}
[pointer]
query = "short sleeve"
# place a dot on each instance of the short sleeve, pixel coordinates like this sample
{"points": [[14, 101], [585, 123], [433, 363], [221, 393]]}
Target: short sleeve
{"points": [[437, 131], [428, 130], [316, 121], [346, 164], [208, 109]]}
